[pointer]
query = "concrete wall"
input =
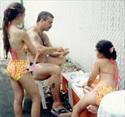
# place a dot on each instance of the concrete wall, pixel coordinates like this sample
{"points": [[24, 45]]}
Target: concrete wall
{"points": [[78, 25]]}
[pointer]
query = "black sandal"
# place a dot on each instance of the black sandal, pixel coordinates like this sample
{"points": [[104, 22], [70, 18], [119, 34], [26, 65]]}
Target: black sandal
{"points": [[61, 112]]}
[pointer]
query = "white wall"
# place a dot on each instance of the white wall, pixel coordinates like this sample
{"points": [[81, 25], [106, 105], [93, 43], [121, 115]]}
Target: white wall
{"points": [[72, 28], [79, 24], [3, 5]]}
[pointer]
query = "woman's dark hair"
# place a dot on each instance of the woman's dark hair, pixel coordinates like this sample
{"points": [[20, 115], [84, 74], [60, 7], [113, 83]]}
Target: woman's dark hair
{"points": [[107, 49], [12, 11]]}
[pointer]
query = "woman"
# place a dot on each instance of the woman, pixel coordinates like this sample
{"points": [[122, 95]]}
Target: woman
{"points": [[106, 68], [14, 40]]}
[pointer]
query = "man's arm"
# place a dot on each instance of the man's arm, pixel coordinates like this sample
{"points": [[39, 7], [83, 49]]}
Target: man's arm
{"points": [[60, 50], [46, 40], [27, 41], [34, 47]]}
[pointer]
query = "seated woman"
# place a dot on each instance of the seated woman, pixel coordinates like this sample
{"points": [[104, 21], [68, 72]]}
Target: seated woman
{"points": [[106, 68]]}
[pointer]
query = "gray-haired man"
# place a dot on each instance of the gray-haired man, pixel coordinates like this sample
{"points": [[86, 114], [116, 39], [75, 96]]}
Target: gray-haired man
{"points": [[48, 63]]}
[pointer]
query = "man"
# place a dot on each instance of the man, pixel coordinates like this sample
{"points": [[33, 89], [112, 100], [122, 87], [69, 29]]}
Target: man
{"points": [[49, 61], [39, 37]]}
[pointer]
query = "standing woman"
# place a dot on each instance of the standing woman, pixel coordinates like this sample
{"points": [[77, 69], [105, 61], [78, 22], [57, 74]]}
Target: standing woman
{"points": [[14, 40]]}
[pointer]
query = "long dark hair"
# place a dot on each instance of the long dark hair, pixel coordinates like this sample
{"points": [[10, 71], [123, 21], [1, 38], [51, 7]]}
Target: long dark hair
{"points": [[107, 49], [12, 11]]}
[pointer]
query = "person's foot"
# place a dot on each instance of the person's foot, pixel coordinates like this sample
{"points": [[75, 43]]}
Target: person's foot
{"points": [[61, 112], [57, 105]]}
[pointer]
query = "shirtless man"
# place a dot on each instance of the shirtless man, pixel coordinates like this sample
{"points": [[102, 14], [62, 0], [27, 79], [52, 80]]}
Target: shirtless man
{"points": [[39, 37], [48, 62]]}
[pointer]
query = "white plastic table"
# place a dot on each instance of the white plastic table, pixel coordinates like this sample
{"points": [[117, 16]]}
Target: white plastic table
{"points": [[75, 82], [112, 105]]}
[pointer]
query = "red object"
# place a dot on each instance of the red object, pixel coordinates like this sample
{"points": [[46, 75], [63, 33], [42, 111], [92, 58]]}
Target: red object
{"points": [[75, 99]]}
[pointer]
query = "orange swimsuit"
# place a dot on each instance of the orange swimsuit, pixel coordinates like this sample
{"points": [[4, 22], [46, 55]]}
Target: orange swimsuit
{"points": [[103, 90], [16, 67]]}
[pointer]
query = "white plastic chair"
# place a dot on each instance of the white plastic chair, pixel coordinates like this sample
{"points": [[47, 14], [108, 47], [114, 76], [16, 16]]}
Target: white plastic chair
{"points": [[40, 87]]}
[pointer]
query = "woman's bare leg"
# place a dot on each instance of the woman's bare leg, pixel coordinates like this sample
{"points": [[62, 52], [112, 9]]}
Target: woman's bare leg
{"points": [[18, 98], [89, 98], [28, 83]]}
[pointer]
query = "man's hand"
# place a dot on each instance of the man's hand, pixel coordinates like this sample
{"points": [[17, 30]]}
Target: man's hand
{"points": [[55, 54], [60, 52], [60, 49]]}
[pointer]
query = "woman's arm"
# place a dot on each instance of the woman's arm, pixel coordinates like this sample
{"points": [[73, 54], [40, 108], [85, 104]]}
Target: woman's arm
{"points": [[94, 73]]}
